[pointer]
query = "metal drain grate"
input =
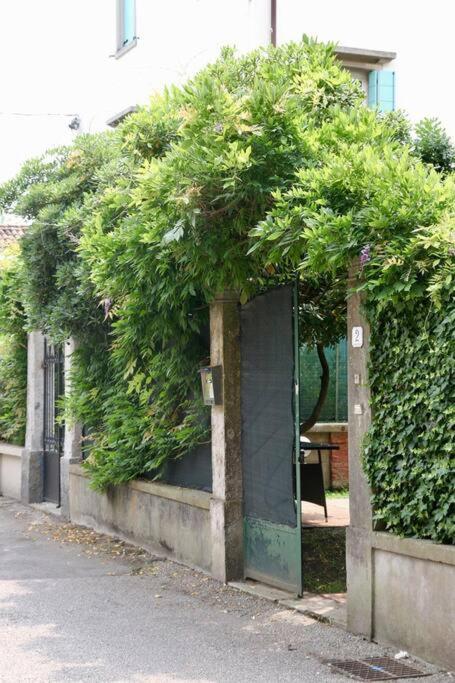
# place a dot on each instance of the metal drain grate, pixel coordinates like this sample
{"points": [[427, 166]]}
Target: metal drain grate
{"points": [[375, 669]]}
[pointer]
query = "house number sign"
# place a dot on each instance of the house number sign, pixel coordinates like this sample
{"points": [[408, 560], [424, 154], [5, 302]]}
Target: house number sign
{"points": [[357, 337]]}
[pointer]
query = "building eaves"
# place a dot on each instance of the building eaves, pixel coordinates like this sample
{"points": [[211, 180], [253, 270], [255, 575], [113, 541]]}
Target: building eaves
{"points": [[114, 121]]}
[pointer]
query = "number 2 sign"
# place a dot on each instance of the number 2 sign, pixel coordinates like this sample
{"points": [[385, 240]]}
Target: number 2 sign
{"points": [[357, 337]]}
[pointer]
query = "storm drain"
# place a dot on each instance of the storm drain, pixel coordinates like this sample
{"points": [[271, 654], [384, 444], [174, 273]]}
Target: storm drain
{"points": [[375, 669]]}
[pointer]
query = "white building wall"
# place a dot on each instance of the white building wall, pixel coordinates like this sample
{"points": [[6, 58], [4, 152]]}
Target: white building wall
{"points": [[43, 57], [176, 39], [58, 57], [58, 60], [420, 32]]}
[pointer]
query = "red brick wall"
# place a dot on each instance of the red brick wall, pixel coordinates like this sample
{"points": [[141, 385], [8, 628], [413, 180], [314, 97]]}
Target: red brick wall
{"points": [[339, 465]]}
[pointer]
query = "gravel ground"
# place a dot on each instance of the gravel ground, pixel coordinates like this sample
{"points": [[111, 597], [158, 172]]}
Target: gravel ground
{"points": [[76, 605]]}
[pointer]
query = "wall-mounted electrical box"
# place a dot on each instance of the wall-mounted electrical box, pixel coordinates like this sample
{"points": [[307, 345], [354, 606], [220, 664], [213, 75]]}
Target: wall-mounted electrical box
{"points": [[211, 378]]}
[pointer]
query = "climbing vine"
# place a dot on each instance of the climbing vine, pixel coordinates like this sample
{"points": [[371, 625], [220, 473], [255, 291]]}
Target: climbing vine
{"points": [[260, 167], [378, 206], [409, 456], [134, 232], [13, 350]]}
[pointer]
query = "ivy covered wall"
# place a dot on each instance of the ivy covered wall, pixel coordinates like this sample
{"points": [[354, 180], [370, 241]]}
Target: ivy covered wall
{"points": [[409, 455]]}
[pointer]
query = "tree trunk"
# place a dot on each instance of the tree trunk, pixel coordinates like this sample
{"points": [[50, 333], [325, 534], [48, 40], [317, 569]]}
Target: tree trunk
{"points": [[324, 388]]}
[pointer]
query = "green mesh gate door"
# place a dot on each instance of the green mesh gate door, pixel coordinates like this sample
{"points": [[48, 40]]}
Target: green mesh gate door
{"points": [[269, 405]]}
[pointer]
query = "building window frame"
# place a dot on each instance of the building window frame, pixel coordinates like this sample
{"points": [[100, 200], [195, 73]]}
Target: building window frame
{"points": [[125, 43], [371, 69]]}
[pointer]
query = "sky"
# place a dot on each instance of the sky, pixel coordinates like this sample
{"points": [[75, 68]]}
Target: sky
{"points": [[42, 75], [56, 56]]}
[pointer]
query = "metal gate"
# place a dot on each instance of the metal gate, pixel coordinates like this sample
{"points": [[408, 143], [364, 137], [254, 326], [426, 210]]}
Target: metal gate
{"points": [[270, 438], [53, 432]]}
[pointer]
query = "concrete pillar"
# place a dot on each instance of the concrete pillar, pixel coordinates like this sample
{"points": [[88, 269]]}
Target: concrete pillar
{"points": [[32, 458], [72, 446], [358, 551], [226, 507]]}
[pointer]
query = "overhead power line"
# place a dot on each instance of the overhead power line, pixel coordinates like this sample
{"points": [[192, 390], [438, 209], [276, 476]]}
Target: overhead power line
{"points": [[26, 113]]}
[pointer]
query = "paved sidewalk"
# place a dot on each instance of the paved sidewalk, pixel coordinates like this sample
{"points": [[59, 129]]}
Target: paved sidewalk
{"points": [[337, 513], [329, 608], [79, 606]]}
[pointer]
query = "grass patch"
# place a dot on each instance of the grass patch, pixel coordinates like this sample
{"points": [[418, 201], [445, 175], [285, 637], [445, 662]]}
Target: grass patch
{"points": [[324, 560], [337, 493]]}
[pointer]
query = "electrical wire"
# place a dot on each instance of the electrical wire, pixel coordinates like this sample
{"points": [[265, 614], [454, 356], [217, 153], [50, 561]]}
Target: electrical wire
{"points": [[23, 113]]}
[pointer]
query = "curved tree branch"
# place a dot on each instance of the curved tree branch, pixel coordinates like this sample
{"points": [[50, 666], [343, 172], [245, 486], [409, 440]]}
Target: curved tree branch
{"points": [[324, 388]]}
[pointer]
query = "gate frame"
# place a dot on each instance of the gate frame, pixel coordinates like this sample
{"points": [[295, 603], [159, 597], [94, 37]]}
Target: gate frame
{"points": [[298, 469], [72, 446], [54, 389], [32, 481], [226, 503], [32, 466]]}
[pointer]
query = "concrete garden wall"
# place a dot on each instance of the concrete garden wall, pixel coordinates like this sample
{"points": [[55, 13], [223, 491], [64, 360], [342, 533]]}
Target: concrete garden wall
{"points": [[414, 596], [10, 470], [167, 519]]}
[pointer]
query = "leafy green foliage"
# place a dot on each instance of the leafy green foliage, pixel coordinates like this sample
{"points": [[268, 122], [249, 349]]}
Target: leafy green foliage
{"points": [[345, 202], [398, 122], [409, 456], [260, 167], [433, 145], [57, 193], [371, 200], [13, 351], [161, 249]]}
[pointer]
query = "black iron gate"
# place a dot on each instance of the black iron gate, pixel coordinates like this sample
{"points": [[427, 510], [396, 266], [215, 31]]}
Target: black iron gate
{"points": [[53, 430]]}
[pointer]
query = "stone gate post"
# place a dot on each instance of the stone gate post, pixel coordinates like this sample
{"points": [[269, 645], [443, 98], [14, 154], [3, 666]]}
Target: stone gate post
{"points": [[32, 456], [72, 446], [226, 508], [359, 533]]}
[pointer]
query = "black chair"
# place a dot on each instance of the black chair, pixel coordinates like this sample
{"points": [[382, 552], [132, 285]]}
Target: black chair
{"points": [[311, 475]]}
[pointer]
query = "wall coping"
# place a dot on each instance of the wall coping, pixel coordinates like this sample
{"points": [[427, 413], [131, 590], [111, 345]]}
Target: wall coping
{"points": [[192, 497], [413, 547], [329, 427], [9, 449]]}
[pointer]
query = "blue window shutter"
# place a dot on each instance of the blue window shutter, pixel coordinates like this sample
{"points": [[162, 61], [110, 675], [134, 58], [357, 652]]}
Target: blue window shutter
{"points": [[129, 21], [381, 90], [373, 89]]}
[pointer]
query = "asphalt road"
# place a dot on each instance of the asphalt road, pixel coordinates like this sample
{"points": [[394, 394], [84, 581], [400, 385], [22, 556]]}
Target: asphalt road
{"points": [[79, 606]]}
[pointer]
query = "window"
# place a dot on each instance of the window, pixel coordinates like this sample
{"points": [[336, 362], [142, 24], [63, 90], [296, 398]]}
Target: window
{"points": [[367, 66], [381, 90], [126, 26]]}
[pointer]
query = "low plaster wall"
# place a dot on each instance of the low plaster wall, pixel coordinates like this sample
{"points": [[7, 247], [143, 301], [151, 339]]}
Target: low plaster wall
{"points": [[401, 591], [167, 519], [10, 470], [414, 596]]}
